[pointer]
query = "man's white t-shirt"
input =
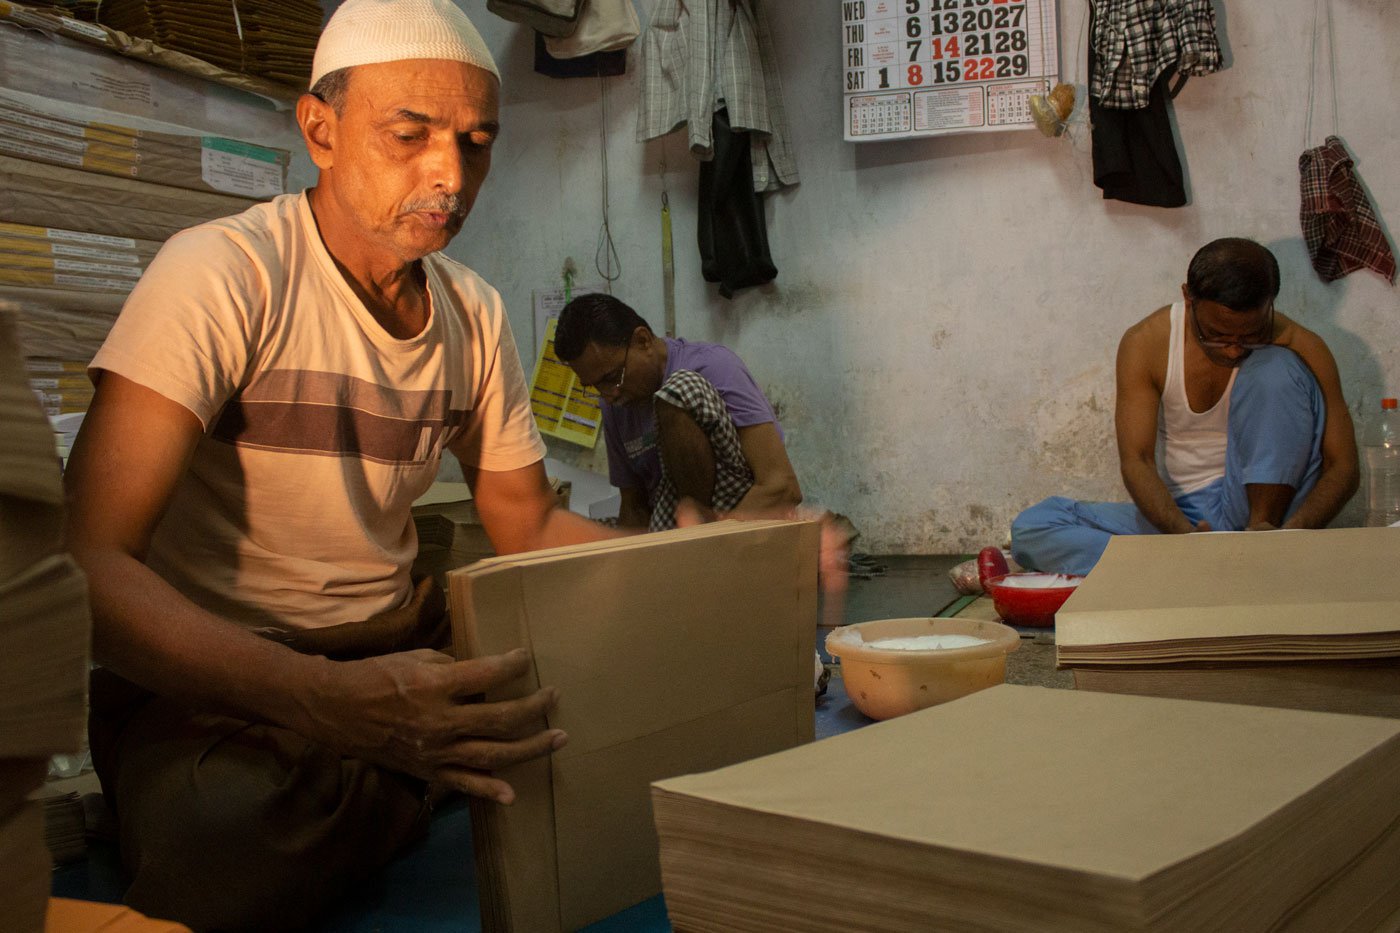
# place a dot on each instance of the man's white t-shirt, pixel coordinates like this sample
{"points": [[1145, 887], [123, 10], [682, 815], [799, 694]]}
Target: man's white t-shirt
{"points": [[320, 429]]}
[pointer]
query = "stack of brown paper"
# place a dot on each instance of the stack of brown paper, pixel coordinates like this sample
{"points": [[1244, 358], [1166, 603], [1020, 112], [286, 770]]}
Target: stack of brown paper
{"points": [[1303, 619], [49, 257], [42, 195], [62, 324], [44, 636], [273, 39], [1030, 809], [672, 652], [201, 163], [25, 861]]}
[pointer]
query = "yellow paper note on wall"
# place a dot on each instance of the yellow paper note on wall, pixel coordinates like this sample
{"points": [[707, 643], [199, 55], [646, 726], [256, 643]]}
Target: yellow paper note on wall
{"points": [[563, 407]]}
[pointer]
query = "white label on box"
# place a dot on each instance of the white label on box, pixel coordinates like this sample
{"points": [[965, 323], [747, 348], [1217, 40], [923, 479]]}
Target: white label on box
{"points": [[83, 281], [87, 252], [41, 153], [101, 268], [97, 239], [241, 168]]}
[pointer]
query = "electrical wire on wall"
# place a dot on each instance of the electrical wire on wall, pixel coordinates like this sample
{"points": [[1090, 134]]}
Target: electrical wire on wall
{"points": [[605, 258], [668, 256]]}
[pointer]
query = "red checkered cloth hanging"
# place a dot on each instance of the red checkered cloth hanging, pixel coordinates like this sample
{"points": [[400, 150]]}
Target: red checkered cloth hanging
{"points": [[1339, 223]]}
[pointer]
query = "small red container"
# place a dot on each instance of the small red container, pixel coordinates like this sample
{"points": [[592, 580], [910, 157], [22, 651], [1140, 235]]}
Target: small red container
{"points": [[1030, 607], [1027, 606]]}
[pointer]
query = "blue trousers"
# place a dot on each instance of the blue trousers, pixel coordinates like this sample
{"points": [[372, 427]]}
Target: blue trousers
{"points": [[1277, 415]]}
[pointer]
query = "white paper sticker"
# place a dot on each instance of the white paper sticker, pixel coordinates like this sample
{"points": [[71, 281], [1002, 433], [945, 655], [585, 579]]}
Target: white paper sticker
{"points": [[95, 268], [87, 252], [83, 281], [241, 169], [96, 239]]}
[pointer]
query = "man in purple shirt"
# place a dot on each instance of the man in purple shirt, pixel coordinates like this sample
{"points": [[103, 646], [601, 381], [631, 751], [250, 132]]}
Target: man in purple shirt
{"points": [[681, 418]]}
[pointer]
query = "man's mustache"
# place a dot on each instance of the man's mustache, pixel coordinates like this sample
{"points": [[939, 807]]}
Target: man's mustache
{"points": [[452, 204]]}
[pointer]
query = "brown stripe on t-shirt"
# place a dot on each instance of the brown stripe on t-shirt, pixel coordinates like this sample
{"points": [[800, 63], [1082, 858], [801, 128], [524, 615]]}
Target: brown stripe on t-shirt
{"points": [[326, 423], [304, 385]]}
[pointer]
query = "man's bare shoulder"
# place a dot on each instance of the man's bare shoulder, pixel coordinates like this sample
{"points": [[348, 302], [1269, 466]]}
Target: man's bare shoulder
{"points": [[1289, 333], [1151, 330], [1307, 344]]}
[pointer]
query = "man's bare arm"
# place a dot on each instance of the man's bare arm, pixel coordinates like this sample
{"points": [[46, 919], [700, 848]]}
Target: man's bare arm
{"points": [[520, 511], [1341, 473], [1135, 423], [775, 485], [402, 711]]}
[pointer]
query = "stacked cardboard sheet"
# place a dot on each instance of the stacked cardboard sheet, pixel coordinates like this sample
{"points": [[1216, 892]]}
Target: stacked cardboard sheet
{"points": [[672, 652], [48, 257], [62, 324], [44, 637], [25, 861], [54, 196], [1302, 619], [272, 39], [1153, 815], [201, 163]]}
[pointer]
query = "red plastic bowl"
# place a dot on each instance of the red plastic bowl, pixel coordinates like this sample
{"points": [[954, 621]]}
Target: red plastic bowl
{"points": [[1026, 606]]}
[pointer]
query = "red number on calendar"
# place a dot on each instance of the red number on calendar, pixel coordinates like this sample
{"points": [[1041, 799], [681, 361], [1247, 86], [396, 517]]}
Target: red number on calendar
{"points": [[979, 69], [916, 74], [949, 47]]}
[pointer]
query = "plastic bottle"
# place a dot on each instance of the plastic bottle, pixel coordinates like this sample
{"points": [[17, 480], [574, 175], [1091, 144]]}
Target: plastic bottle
{"points": [[1381, 451]]}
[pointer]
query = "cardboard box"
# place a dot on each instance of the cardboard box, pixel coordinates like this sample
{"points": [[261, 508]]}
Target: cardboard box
{"points": [[1301, 619]]}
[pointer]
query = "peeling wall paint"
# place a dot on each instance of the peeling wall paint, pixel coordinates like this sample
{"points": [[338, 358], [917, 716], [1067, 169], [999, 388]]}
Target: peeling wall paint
{"points": [[942, 331]]}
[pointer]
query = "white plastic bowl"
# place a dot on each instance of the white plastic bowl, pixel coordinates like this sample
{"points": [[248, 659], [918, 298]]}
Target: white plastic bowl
{"points": [[884, 683]]}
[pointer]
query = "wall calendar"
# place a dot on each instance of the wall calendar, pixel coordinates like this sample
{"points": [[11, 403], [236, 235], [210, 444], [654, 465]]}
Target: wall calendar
{"points": [[939, 67]]}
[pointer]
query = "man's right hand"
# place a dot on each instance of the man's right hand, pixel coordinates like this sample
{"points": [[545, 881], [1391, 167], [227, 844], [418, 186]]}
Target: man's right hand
{"points": [[413, 712]]}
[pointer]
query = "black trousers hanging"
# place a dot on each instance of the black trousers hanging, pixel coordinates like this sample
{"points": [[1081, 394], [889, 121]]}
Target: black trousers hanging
{"points": [[1134, 151], [732, 233]]}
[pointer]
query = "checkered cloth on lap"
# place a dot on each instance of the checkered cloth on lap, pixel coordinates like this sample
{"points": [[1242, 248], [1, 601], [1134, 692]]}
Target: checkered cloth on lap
{"points": [[697, 397], [1339, 222]]}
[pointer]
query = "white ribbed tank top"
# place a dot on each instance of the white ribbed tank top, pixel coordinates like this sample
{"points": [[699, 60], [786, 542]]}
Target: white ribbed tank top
{"points": [[1191, 444]]}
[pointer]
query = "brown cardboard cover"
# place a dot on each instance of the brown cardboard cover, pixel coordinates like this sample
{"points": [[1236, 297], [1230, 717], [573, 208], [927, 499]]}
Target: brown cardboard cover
{"points": [[672, 652], [1309, 588]]}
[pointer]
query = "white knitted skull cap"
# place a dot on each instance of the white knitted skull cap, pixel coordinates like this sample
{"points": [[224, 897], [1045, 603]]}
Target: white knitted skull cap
{"points": [[366, 32]]}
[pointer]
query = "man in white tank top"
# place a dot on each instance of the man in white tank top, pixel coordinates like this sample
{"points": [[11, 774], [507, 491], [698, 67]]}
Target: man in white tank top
{"points": [[1244, 405]]}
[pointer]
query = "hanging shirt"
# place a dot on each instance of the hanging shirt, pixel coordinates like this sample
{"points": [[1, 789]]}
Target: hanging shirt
{"points": [[1136, 40], [1339, 223], [699, 56]]}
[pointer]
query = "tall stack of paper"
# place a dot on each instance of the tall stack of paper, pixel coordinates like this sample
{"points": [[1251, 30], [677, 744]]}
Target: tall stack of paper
{"points": [[202, 163], [672, 652], [1029, 809], [1302, 619], [25, 862], [273, 39], [44, 637], [54, 196]]}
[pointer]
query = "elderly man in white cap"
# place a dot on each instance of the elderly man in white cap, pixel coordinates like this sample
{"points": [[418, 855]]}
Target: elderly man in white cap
{"points": [[278, 390]]}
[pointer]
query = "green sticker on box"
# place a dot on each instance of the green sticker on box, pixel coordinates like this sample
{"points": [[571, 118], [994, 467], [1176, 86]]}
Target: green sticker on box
{"points": [[237, 147]]}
